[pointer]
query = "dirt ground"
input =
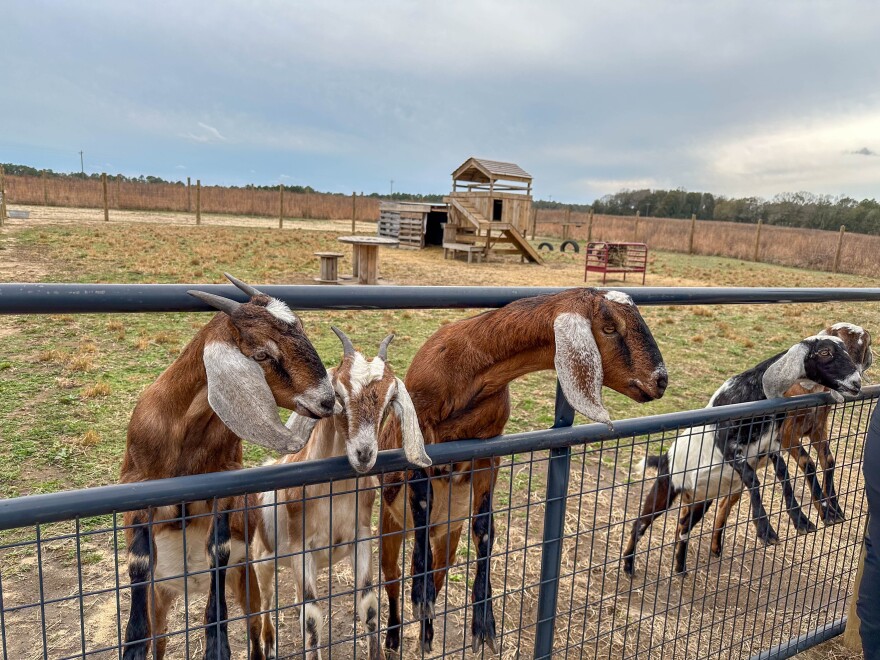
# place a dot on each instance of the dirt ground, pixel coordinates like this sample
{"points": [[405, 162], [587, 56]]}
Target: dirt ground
{"points": [[748, 600]]}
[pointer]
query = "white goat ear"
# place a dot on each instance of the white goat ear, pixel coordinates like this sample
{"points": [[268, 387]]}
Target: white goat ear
{"points": [[239, 394], [300, 425], [413, 441], [785, 372], [579, 366]]}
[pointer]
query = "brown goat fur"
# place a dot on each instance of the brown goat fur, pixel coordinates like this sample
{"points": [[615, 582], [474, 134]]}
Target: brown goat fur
{"points": [[459, 383], [176, 431]]}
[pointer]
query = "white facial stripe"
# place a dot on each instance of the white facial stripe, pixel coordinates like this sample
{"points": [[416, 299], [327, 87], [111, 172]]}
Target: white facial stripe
{"points": [[821, 336], [363, 372], [618, 297], [280, 310]]}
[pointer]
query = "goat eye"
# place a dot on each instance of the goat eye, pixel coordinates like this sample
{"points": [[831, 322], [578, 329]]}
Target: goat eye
{"points": [[825, 352], [260, 355], [609, 329]]}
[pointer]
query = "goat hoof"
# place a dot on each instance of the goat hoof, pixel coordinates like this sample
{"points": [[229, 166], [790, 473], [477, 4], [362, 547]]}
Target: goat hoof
{"points": [[805, 527], [769, 538], [833, 516], [392, 640], [483, 627], [628, 567], [426, 635], [715, 552]]}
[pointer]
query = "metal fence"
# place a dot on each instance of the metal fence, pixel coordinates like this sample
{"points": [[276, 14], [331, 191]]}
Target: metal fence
{"points": [[564, 505]]}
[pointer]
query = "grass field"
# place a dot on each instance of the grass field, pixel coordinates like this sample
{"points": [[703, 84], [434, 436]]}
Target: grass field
{"points": [[69, 383]]}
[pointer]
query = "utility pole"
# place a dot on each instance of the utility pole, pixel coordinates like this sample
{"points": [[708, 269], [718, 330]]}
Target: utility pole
{"points": [[82, 167]]}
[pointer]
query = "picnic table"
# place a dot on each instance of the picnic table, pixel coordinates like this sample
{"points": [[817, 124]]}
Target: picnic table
{"points": [[365, 256]]}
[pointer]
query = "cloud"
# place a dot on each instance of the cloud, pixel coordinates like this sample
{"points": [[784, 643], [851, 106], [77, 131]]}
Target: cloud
{"points": [[180, 167], [208, 134], [864, 151]]}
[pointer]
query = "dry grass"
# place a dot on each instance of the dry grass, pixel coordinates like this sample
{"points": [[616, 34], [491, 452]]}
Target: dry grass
{"points": [[803, 248], [97, 390]]}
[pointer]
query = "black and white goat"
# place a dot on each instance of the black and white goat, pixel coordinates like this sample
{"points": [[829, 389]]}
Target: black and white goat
{"points": [[316, 527], [707, 462]]}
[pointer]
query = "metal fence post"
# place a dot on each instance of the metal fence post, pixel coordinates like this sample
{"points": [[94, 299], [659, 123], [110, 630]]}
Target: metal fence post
{"points": [[554, 519]]}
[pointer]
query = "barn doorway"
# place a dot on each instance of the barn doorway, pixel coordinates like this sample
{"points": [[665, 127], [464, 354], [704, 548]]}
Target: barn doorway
{"points": [[434, 227], [497, 209]]}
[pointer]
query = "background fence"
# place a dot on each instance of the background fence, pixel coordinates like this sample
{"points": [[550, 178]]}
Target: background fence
{"points": [[96, 199], [564, 505]]}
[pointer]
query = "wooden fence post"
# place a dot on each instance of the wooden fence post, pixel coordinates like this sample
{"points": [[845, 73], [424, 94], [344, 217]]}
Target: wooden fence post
{"points": [[636, 228], [851, 637], [757, 240], [534, 221], [106, 203], [590, 227], [567, 224], [189, 201], [198, 201], [2, 196], [45, 190], [280, 206], [691, 237], [353, 211], [839, 247]]}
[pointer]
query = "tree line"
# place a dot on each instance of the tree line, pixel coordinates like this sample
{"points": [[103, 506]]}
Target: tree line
{"points": [[801, 209]]}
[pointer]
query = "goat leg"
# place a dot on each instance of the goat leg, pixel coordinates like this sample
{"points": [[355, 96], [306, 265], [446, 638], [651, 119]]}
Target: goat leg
{"points": [[140, 568], [483, 621], [216, 614], [834, 513], [423, 593], [689, 518], [801, 522], [749, 477], [659, 499]]}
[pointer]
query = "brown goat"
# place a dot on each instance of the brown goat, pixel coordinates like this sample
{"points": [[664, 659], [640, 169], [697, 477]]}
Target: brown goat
{"points": [[224, 387], [318, 526], [812, 424], [459, 383]]}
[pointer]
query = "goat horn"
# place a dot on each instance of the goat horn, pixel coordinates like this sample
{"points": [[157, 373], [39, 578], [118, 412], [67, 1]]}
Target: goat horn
{"points": [[347, 346], [217, 302], [383, 347], [247, 288]]}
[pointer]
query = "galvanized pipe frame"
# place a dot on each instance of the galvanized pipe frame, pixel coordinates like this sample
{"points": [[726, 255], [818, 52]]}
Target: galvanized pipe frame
{"points": [[35, 298]]}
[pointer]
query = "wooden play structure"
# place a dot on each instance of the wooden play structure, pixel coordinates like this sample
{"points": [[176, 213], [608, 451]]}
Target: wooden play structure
{"points": [[604, 257], [490, 207]]}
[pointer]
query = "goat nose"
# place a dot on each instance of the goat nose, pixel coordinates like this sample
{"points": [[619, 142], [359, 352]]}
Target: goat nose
{"points": [[662, 381], [364, 455], [327, 404]]}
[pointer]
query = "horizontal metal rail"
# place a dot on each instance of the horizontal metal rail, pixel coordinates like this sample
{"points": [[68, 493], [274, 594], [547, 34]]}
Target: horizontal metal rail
{"points": [[30, 298], [54, 507]]}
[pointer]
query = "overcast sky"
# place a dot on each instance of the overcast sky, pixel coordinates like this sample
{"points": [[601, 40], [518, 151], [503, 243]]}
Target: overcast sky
{"points": [[738, 98]]}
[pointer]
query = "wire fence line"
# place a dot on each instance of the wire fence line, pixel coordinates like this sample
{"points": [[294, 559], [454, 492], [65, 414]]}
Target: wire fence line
{"points": [[564, 503]]}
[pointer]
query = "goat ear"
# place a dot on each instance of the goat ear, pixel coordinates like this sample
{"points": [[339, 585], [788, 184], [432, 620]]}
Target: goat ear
{"points": [[579, 366], [413, 441], [785, 372], [239, 394]]}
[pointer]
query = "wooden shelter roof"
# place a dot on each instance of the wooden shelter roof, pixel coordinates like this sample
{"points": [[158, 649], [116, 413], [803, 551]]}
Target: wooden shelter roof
{"points": [[480, 170]]}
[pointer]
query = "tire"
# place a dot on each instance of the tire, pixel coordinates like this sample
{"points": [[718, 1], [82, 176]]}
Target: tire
{"points": [[549, 246], [573, 244]]}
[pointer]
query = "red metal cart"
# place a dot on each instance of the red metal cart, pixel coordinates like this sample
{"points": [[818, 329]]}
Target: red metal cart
{"points": [[604, 257]]}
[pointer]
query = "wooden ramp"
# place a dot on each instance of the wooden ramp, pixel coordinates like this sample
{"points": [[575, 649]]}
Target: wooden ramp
{"points": [[492, 233]]}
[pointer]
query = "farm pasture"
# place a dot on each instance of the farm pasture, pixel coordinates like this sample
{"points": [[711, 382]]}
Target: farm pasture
{"points": [[69, 384]]}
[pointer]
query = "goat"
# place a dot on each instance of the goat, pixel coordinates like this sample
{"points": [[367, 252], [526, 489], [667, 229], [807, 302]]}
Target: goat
{"points": [[224, 387], [459, 383], [812, 423], [706, 462], [319, 528]]}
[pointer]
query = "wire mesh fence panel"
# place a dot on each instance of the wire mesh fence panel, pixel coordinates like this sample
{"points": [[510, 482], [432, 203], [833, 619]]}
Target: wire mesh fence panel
{"points": [[338, 563]]}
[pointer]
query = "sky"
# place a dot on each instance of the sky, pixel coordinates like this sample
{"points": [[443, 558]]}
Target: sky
{"points": [[735, 98]]}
